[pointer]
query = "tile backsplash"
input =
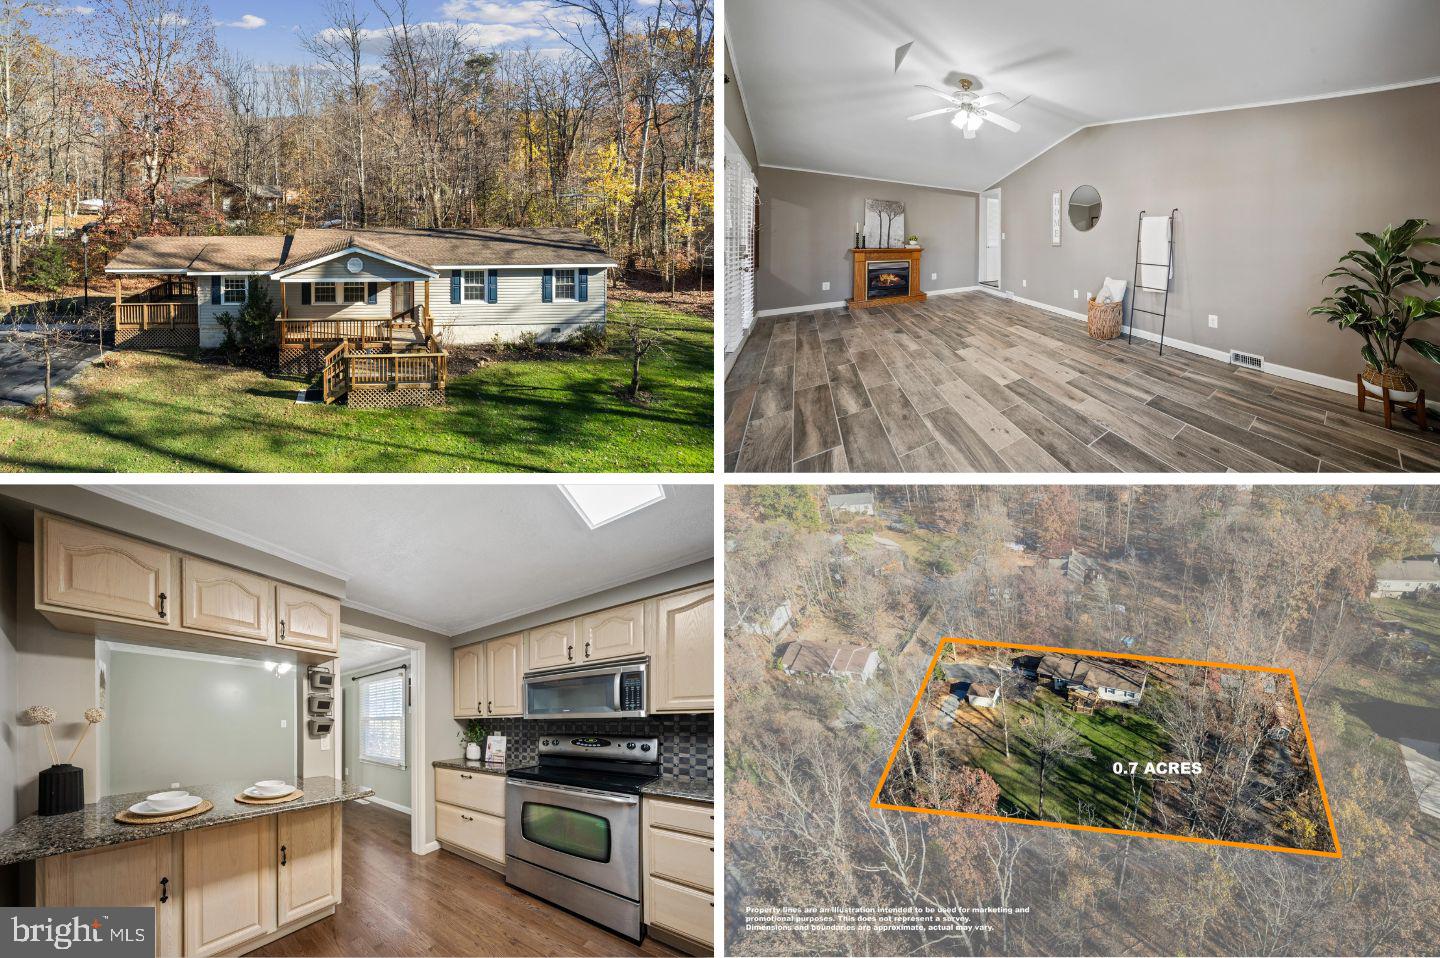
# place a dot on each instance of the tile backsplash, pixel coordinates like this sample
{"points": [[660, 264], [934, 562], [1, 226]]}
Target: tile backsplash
{"points": [[687, 742]]}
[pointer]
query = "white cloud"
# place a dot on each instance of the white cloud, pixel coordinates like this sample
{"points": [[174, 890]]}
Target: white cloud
{"points": [[517, 11], [484, 35], [247, 22], [61, 11]]}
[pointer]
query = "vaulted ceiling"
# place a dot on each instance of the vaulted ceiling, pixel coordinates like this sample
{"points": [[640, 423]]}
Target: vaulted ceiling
{"points": [[822, 92]]}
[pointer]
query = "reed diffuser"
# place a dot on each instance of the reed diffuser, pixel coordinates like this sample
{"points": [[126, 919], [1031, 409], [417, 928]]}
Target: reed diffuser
{"points": [[62, 785]]}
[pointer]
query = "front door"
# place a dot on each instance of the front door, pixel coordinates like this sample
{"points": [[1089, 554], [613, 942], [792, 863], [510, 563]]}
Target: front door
{"points": [[404, 297]]}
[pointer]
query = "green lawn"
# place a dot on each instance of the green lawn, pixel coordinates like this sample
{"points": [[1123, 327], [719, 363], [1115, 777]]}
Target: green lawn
{"points": [[1114, 735], [165, 414]]}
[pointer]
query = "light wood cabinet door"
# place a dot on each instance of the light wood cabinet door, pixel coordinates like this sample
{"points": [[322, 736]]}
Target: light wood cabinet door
{"points": [[551, 646], [216, 598], [673, 906], [309, 857], [481, 791], [230, 873], [468, 689], [140, 874], [682, 662], [471, 830], [504, 672], [91, 570], [613, 634], [307, 620]]}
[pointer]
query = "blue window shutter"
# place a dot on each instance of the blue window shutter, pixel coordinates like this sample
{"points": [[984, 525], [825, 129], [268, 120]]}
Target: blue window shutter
{"points": [[547, 286], [582, 285], [372, 294], [492, 286], [455, 287], [214, 291], [304, 294]]}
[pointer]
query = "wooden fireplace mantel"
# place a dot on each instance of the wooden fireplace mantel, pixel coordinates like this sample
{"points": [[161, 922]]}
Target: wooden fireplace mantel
{"points": [[860, 257]]}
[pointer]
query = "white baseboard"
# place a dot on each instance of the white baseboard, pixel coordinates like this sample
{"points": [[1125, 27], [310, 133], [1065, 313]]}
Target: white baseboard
{"points": [[393, 806], [429, 848], [784, 310]]}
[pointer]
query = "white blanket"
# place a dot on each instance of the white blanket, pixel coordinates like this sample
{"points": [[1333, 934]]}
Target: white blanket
{"points": [[1155, 249]]}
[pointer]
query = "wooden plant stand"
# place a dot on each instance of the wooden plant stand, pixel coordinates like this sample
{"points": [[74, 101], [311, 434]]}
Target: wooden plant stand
{"points": [[1389, 402]]}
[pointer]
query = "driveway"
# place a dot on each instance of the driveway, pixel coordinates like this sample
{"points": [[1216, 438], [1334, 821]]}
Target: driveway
{"points": [[22, 379], [962, 675]]}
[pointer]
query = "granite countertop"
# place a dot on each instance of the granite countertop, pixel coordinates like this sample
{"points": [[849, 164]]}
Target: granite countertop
{"points": [[94, 825], [489, 768], [691, 789]]}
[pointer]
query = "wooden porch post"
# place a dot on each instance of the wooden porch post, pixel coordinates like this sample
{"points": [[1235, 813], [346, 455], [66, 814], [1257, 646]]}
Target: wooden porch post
{"points": [[119, 282], [284, 310]]}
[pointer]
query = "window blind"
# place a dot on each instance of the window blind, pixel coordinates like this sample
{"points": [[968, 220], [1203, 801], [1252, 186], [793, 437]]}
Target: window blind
{"points": [[740, 188], [382, 718]]}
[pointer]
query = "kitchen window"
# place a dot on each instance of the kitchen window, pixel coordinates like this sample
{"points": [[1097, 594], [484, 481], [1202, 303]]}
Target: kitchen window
{"points": [[565, 284], [472, 286], [382, 717], [354, 292], [324, 292], [233, 291]]}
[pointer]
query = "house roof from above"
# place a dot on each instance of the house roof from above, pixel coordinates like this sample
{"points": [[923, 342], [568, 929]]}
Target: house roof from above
{"points": [[1409, 570], [1092, 673], [422, 249], [802, 655], [982, 689]]}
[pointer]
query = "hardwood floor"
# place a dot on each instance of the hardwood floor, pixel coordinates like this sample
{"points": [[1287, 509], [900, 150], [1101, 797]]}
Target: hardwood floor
{"points": [[971, 382], [396, 903]]}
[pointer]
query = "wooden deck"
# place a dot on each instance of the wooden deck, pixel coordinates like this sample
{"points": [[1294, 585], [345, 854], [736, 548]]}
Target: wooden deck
{"points": [[971, 382]]}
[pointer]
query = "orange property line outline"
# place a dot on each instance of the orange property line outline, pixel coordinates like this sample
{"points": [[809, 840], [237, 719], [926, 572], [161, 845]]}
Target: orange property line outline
{"points": [[1294, 687]]}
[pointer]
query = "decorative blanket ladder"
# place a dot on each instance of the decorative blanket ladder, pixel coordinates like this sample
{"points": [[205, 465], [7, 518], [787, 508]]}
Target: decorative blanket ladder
{"points": [[1147, 271]]}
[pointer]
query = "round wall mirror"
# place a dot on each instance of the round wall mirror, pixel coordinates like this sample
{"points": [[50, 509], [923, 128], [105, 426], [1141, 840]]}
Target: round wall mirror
{"points": [[1085, 208]]}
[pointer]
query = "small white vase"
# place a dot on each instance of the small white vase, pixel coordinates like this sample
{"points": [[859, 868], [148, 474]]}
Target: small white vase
{"points": [[472, 752]]}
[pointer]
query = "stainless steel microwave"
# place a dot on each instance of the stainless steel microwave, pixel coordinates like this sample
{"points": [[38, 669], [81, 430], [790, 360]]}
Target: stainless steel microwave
{"points": [[607, 691]]}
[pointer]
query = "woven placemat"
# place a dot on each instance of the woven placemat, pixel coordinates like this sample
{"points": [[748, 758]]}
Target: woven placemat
{"points": [[125, 818], [280, 800]]}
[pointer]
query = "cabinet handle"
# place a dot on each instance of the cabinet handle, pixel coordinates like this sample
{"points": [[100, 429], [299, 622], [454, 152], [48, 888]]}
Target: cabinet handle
{"points": [[467, 818], [587, 650], [569, 653], [282, 628], [162, 605], [489, 706], [164, 890], [282, 854], [466, 775]]}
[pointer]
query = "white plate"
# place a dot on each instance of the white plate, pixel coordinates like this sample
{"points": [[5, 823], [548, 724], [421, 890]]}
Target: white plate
{"points": [[255, 791], [272, 783], [162, 796], [147, 808]]}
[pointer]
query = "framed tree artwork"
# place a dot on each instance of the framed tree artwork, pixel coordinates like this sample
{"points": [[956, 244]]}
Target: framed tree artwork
{"points": [[884, 223]]}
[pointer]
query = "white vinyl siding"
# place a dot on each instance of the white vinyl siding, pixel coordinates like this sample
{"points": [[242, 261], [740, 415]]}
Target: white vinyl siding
{"points": [[565, 285], [382, 718], [323, 293], [472, 286], [518, 309], [212, 334], [371, 269]]}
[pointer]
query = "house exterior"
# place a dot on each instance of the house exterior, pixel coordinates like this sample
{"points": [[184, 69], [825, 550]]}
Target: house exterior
{"points": [[473, 286], [843, 661], [859, 503], [1107, 681], [1409, 575]]}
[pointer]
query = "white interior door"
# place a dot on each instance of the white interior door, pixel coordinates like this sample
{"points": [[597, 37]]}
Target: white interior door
{"points": [[992, 240]]}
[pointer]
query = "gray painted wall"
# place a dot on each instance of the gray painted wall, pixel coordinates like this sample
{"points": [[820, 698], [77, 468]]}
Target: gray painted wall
{"points": [[1269, 199], [807, 227], [737, 121], [391, 784], [196, 720]]}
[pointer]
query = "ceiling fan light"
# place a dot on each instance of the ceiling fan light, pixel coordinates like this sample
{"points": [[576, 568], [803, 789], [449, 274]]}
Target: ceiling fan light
{"points": [[958, 120], [969, 133], [973, 123]]}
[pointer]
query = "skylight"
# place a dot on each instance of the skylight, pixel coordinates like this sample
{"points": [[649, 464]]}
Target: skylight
{"points": [[599, 504]]}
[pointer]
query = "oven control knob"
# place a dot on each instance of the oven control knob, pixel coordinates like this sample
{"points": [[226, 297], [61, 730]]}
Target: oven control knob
{"points": [[644, 748], [630, 745]]}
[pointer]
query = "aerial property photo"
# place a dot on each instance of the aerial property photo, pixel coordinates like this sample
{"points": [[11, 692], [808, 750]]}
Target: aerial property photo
{"points": [[1140, 745], [361, 236]]}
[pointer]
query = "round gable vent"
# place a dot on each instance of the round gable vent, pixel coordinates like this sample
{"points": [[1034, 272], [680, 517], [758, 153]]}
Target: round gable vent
{"points": [[354, 264]]}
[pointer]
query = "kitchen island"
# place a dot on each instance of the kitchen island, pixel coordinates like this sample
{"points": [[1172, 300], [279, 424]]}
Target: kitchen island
{"points": [[223, 882]]}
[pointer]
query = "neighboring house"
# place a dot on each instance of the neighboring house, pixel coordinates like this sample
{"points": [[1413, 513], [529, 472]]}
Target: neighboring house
{"points": [[1076, 566], [230, 196], [1409, 575], [983, 695], [846, 661], [1108, 681], [860, 503]]}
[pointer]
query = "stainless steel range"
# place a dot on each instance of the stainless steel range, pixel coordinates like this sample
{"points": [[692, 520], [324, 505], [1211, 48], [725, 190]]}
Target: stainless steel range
{"points": [[572, 825]]}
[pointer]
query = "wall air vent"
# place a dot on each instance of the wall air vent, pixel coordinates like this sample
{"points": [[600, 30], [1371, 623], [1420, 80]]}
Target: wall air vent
{"points": [[1248, 360]]}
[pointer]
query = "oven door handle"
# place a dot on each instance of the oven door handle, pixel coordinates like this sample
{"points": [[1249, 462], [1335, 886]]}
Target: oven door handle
{"points": [[588, 793]]}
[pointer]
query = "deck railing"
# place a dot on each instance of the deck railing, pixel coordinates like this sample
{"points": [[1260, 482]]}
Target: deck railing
{"points": [[318, 332], [345, 368], [156, 315]]}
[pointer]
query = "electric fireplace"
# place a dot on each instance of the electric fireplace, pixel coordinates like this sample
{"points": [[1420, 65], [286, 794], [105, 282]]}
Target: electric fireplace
{"points": [[887, 278]]}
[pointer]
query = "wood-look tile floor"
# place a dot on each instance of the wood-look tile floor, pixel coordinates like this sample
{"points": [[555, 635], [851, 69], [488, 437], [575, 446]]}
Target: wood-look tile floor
{"points": [[971, 382], [398, 903]]}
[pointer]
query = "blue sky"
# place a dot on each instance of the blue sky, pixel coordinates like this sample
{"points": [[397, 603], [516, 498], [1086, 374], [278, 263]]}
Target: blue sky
{"points": [[269, 31]]}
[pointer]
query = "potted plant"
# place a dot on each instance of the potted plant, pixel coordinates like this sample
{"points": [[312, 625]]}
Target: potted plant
{"points": [[1377, 301], [472, 736], [912, 240]]}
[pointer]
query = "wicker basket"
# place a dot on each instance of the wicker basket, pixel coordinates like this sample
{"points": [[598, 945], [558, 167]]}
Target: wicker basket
{"points": [[1104, 319], [1391, 377]]}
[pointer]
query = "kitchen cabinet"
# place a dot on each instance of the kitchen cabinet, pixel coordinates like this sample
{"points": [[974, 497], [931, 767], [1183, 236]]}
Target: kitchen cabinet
{"points": [[309, 861], [551, 646], [307, 620], [612, 634], [504, 675], [481, 791], [682, 658], [92, 570], [467, 683], [225, 601], [140, 874], [470, 814], [230, 880], [680, 868]]}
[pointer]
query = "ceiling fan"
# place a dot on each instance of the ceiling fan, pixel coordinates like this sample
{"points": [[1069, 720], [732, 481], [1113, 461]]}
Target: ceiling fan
{"points": [[969, 109]]}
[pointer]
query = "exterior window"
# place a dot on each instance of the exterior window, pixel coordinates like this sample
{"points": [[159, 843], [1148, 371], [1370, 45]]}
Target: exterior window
{"points": [[472, 286], [354, 292], [324, 292], [234, 290], [565, 284], [382, 718]]}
